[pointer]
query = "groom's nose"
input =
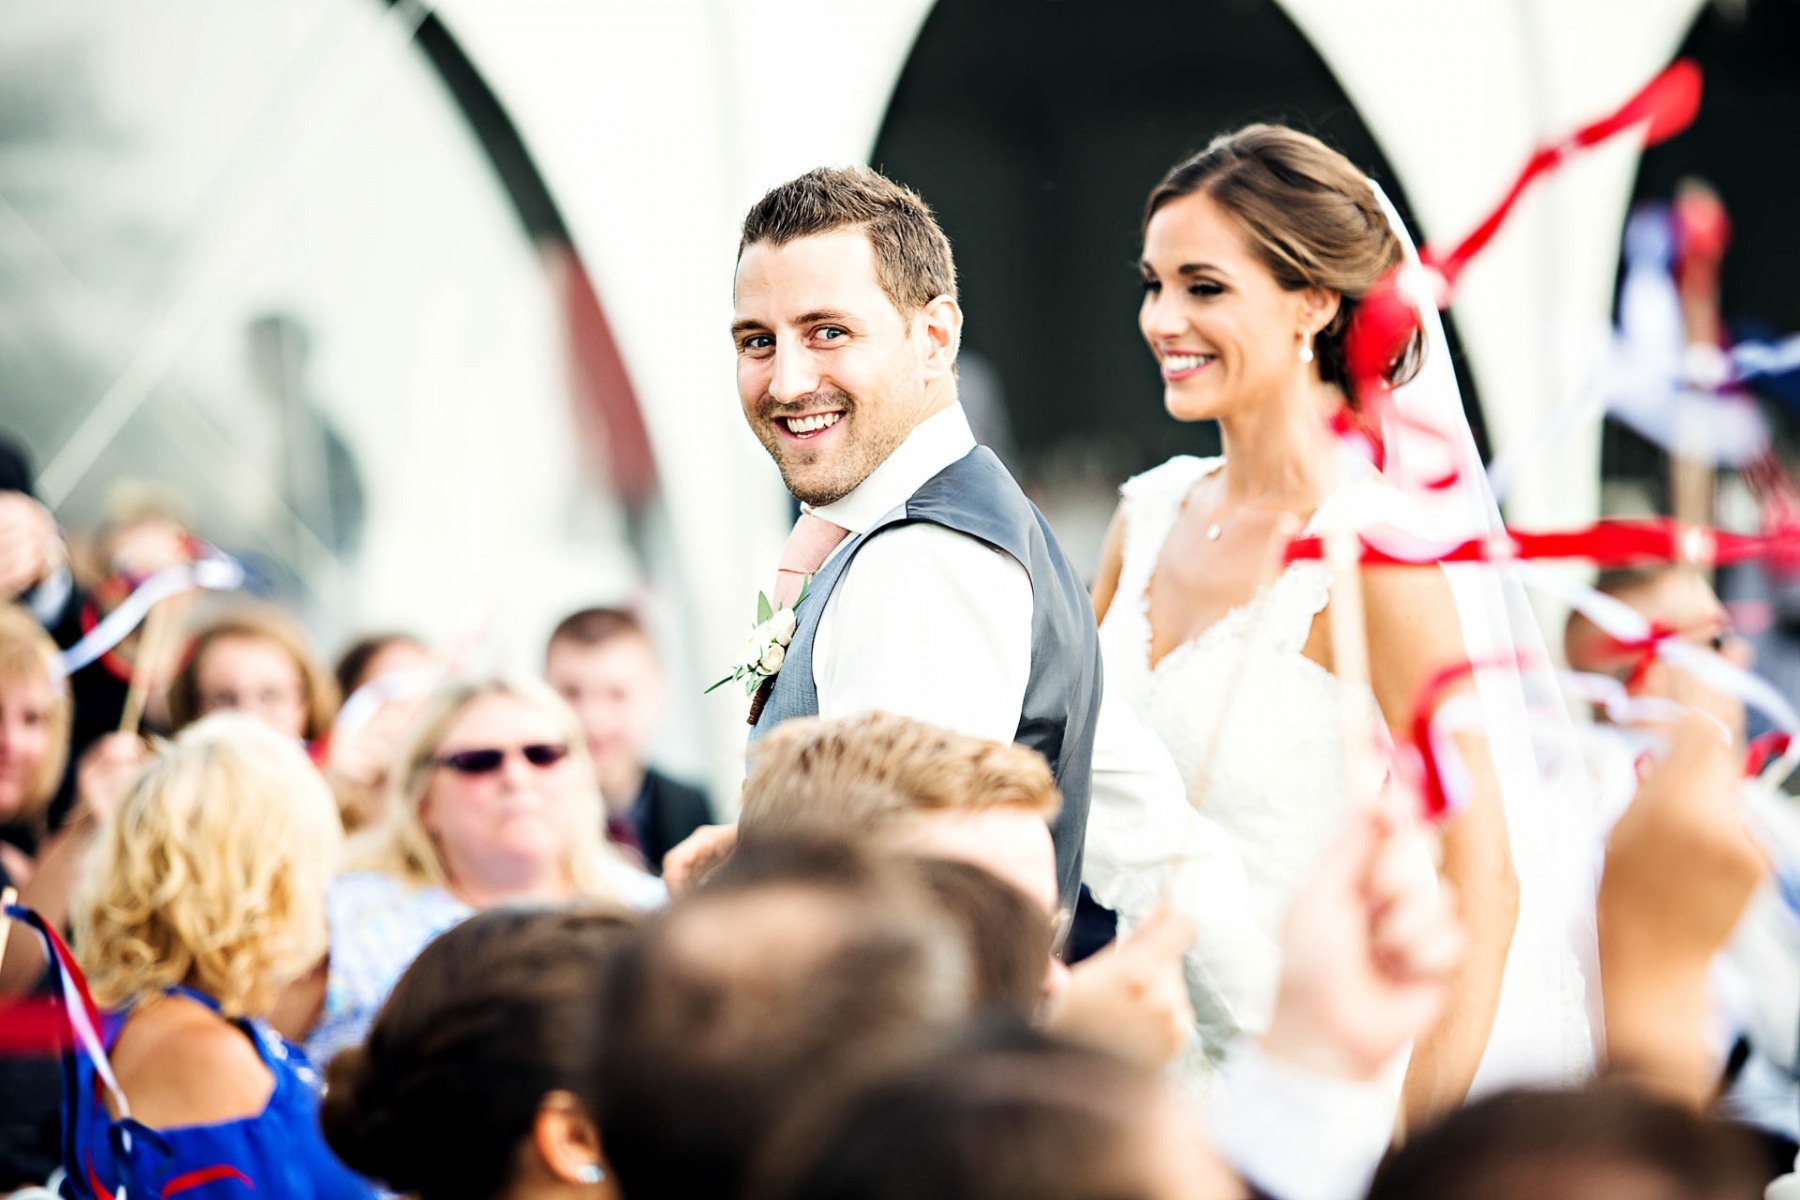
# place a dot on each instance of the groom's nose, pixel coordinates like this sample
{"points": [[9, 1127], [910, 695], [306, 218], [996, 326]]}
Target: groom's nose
{"points": [[793, 374]]}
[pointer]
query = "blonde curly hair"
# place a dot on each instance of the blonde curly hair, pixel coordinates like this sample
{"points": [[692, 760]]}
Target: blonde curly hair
{"points": [[27, 654], [402, 847], [211, 872]]}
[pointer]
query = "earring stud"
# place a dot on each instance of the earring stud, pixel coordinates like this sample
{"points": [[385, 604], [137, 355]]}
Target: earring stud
{"points": [[590, 1173], [1306, 350]]}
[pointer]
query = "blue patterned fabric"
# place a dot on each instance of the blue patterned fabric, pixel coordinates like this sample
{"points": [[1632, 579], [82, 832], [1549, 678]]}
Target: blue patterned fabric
{"points": [[278, 1154]]}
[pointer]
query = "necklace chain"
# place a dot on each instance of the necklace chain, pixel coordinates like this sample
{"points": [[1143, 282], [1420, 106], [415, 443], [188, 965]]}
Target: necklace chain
{"points": [[1216, 526]]}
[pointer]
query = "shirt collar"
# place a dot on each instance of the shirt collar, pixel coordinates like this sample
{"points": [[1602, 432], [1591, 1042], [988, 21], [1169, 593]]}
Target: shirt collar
{"points": [[935, 443]]}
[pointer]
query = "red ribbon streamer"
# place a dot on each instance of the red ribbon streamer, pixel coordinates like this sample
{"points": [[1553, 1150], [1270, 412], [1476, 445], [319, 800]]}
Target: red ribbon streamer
{"points": [[34, 1026], [1434, 792], [1668, 103], [1624, 542], [1385, 319], [1764, 749]]}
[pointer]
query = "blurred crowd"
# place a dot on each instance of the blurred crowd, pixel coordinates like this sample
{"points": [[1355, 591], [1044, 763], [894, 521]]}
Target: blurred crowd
{"points": [[445, 888]]}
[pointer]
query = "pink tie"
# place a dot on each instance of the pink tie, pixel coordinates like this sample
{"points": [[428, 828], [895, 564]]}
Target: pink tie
{"points": [[811, 543]]}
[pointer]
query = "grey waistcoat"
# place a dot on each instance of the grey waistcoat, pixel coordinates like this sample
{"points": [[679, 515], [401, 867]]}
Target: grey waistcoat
{"points": [[976, 496]]}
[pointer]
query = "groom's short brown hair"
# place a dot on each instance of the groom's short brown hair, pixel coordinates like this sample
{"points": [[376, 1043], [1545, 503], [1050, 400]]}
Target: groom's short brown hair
{"points": [[912, 255]]}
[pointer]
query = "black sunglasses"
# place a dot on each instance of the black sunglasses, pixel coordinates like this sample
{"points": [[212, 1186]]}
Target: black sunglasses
{"points": [[487, 761]]}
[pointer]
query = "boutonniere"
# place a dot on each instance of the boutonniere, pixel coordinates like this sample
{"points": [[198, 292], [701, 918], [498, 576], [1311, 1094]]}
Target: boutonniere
{"points": [[766, 648]]}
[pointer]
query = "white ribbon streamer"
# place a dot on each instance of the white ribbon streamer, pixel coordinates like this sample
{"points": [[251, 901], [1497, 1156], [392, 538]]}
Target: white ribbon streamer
{"points": [[218, 572]]}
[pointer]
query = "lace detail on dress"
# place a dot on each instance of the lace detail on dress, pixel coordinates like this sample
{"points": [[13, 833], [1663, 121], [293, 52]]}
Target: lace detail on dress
{"points": [[1253, 729]]}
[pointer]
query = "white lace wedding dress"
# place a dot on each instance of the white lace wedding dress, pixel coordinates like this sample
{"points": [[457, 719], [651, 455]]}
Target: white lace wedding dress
{"points": [[1253, 727]]}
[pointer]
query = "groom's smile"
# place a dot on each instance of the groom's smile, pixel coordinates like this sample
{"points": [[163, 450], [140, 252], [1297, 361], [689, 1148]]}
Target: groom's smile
{"points": [[811, 426]]}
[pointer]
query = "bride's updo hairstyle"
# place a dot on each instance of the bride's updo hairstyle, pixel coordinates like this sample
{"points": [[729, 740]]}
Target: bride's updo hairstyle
{"points": [[1312, 219]]}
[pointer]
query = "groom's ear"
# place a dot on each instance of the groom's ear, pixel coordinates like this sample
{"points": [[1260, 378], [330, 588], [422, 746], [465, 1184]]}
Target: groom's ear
{"points": [[941, 322]]}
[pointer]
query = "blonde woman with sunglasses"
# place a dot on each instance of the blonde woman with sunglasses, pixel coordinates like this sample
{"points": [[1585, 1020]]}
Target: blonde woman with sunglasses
{"points": [[492, 803]]}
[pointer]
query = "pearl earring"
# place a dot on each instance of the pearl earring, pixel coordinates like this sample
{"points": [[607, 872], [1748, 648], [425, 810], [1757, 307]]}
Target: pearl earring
{"points": [[1306, 350], [591, 1173]]}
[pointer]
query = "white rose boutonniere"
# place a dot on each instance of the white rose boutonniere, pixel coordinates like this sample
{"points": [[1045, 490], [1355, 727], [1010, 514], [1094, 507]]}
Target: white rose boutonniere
{"points": [[766, 648]]}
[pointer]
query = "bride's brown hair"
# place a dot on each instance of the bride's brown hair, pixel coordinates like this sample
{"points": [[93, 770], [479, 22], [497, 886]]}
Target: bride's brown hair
{"points": [[1312, 219]]}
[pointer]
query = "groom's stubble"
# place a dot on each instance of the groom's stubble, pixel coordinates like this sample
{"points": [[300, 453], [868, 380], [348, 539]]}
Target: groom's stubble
{"points": [[872, 429]]}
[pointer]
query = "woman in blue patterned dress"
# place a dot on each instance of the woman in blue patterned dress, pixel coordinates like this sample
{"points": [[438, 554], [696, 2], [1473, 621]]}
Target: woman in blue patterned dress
{"points": [[204, 898]]}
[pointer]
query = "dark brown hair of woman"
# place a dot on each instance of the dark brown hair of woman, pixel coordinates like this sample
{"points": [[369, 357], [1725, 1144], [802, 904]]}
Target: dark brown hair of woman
{"points": [[1008, 935], [795, 963], [1004, 1112], [490, 1019], [1606, 1140], [1311, 218], [354, 662], [258, 622]]}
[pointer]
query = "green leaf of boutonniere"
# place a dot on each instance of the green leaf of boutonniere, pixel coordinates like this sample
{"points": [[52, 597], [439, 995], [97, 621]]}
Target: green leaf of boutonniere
{"points": [[763, 608]]}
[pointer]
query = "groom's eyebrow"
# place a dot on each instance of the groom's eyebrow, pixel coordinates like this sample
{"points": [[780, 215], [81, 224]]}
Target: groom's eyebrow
{"points": [[820, 315], [745, 326]]}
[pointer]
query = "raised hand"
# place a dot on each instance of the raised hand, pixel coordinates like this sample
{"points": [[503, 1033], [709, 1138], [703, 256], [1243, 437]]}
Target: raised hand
{"points": [[698, 853], [105, 773], [1680, 868], [1131, 998], [29, 544], [1370, 946]]}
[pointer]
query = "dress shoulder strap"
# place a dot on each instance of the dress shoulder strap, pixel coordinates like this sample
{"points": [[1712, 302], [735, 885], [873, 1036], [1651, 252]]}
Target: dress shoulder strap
{"points": [[194, 994], [1149, 503]]}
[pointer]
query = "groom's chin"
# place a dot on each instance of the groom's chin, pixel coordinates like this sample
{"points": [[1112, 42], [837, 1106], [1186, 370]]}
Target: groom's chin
{"points": [[813, 491]]}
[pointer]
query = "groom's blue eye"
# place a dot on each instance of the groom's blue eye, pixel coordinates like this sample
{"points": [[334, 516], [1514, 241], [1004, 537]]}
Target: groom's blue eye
{"points": [[831, 333], [756, 341]]}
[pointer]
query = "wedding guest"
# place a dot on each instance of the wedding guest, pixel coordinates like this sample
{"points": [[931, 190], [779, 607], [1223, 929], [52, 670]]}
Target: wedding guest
{"points": [[493, 803], [45, 864], [1009, 941], [256, 659], [467, 1086], [34, 731], [34, 739], [35, 572], [1744, 992], [369, 728], [998, 1115], [147, 529], [602, 662], [795, 964], [909, 784], [1681, 867], [903, 785], [377, 654], [1604, 1140], [205, 898], [1368, 948]]}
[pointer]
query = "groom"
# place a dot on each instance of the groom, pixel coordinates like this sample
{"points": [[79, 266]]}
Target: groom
{"points": [[934, 588]]}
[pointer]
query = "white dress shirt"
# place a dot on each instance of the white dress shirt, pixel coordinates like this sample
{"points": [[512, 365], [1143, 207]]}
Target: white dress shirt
{"points": [[929, 623]]}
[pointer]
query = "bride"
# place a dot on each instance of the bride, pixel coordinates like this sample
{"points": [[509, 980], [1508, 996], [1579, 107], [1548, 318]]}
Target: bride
{"points": [[1255, 253]]}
